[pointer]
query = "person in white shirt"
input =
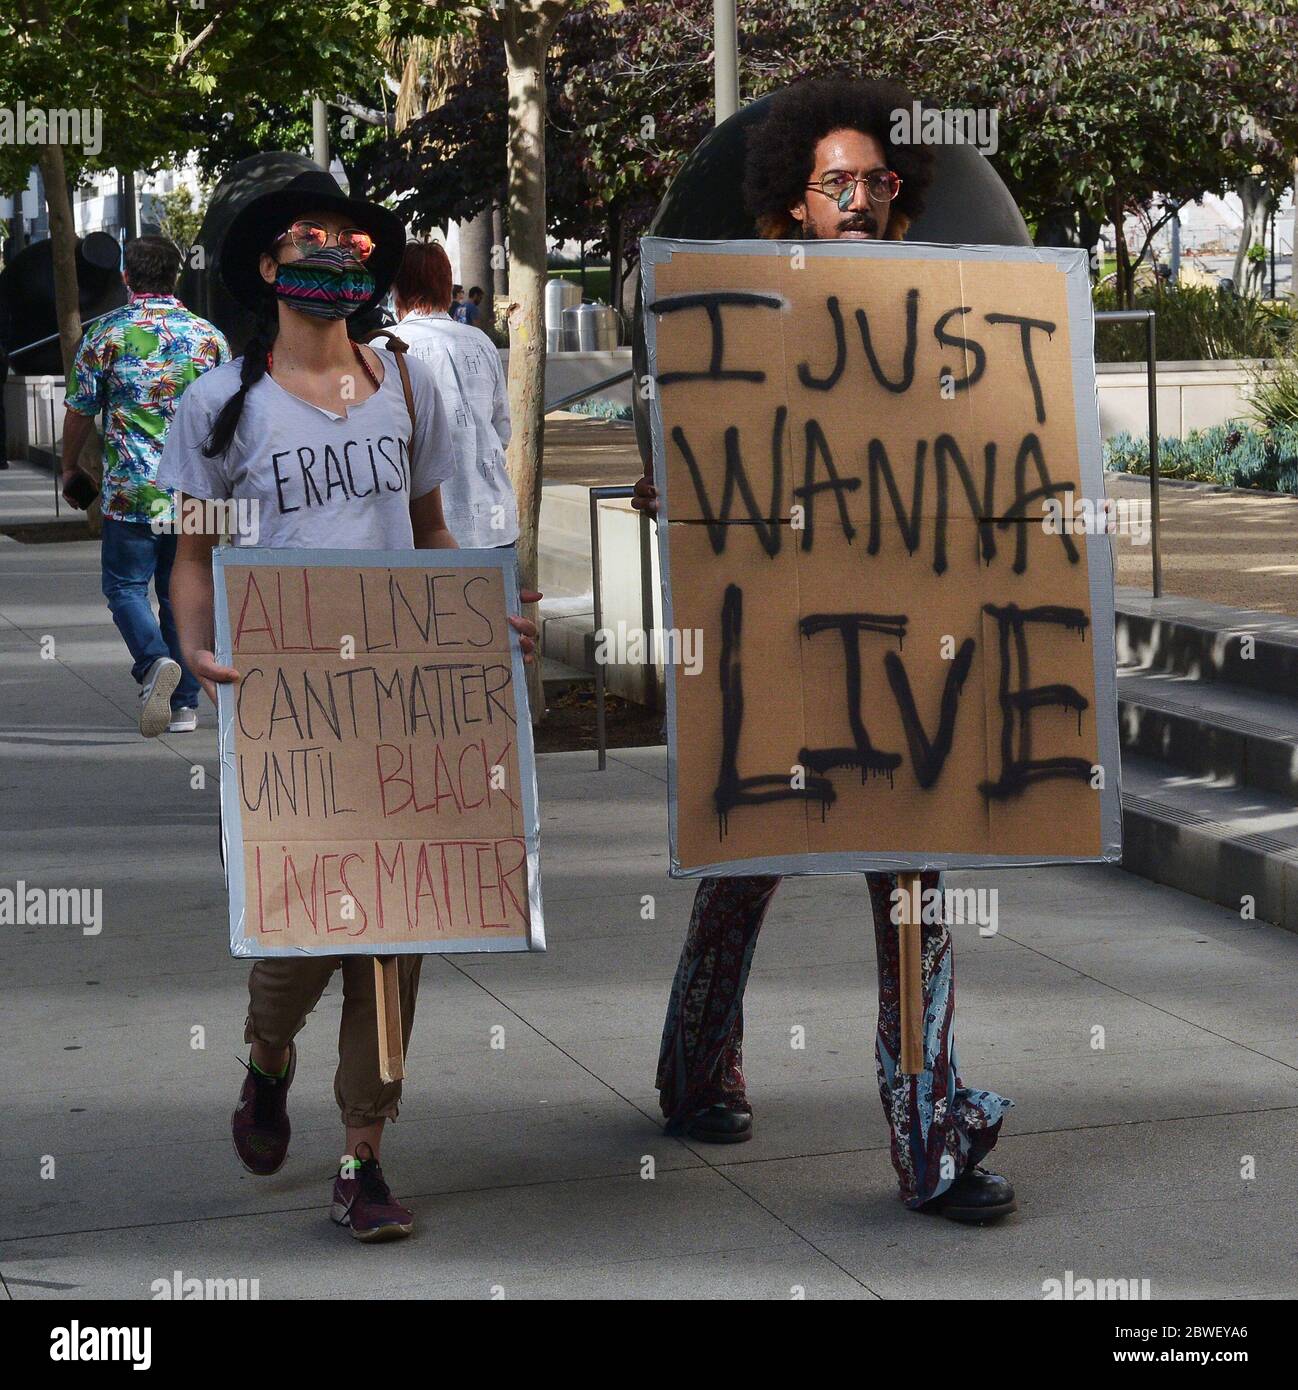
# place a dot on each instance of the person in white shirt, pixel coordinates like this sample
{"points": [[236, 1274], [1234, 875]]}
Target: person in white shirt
{"points": [[337, 446], [478, 499]]}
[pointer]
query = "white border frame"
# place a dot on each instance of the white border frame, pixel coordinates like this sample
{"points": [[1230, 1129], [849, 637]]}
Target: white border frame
{"points": [[231, 811], [656, 251]]}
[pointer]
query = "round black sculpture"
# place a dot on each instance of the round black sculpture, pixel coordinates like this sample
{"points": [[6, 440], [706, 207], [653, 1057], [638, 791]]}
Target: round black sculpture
{"points": [[966, 202], [201, 286], [27, 297]]}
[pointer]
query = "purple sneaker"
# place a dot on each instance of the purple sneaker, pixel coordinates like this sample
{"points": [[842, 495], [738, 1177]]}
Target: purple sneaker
{"points": [[364, 1202], [260, 1121]]}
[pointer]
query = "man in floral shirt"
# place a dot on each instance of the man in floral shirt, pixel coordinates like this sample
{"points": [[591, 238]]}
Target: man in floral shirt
{"points": [[131, 369]]}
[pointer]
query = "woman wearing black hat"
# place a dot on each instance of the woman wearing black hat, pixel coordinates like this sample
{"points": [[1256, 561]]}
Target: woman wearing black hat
{"points": [[334, 445]]}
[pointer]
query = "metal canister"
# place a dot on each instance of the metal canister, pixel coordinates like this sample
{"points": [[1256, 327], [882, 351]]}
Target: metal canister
{"points": [[590, 328]]}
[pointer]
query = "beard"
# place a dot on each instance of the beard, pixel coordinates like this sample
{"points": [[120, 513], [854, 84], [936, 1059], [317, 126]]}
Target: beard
{"points": [[853, 224], [857, 224]]}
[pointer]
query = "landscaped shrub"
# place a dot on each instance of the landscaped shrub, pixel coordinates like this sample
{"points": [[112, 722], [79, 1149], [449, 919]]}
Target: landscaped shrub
{"points": [[602, 409], [1194, 323], [1273, 400], [1229, 455]]}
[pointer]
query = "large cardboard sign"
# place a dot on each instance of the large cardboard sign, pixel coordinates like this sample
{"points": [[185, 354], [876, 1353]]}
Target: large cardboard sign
{"points": [[378, 786], [860, 448]]}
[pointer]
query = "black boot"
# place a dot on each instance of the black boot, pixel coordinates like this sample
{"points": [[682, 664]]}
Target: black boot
{"points": [[976, 1196], [719, 1124]]}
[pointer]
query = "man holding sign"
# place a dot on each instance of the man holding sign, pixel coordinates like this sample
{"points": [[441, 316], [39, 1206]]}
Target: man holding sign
{"points": [[885, 598]]}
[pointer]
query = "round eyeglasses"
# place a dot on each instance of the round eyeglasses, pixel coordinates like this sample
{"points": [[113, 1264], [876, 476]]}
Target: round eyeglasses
{"points": [[882, 185], [311, 236]]}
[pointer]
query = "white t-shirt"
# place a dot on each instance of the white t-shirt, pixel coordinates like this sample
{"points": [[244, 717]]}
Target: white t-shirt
{"points": [[319, 480], [479, 501]]}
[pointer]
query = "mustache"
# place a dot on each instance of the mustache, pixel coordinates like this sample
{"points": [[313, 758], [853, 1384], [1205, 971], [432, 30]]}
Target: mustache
{"points": [[859, 222]]}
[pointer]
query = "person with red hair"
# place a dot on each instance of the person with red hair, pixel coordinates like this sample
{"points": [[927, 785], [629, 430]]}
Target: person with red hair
{"points": [[478, 499]]}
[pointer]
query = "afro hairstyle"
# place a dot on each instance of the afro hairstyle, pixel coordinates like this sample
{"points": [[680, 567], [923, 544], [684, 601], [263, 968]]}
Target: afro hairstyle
{"points": [[782, 149]]}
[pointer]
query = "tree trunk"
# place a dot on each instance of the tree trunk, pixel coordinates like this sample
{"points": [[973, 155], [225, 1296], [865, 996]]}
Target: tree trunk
{"points": [[67, 298], [1124, 279], [526, 30], [63, 244], [1251, 197], [616, 279], [475, 260]]}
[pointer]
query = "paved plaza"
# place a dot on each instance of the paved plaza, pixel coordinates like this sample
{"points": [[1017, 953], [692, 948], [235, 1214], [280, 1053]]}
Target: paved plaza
{"points": [[1147, 1038]]}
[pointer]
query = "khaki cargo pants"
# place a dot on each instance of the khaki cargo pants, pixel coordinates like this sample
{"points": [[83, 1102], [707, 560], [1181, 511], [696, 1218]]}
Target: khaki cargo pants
{"points": [[283, 990]]}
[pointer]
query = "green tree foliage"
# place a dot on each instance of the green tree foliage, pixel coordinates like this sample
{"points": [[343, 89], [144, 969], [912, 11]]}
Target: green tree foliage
{"points": [[1103, 107]]}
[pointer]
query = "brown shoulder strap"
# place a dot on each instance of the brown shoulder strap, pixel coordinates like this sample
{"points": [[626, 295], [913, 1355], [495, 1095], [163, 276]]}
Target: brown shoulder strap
{"points": [[399, 349]]}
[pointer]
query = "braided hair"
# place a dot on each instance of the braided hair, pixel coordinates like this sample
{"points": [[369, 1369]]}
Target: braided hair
{"points": [[256, 358]]}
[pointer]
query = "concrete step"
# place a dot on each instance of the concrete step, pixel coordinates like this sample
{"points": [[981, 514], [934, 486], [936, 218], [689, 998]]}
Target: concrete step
{"points": [[570, 641], [565, 509], [1238, 736], [558, 676], [27, 498], [1237, 846], [564, 568], [1207, 642]]}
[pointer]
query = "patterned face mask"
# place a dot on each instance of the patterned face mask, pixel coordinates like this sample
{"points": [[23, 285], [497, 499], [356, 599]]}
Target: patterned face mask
{"points": [[328, 283]]}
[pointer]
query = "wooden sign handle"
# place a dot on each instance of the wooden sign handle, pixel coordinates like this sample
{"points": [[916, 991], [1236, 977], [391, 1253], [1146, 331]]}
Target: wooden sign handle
{"points": [[387, 998], [911, 976]]}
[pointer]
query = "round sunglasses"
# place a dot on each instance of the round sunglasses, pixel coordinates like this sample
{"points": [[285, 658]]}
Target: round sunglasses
{"points": [[311, 236], [881, 184]]}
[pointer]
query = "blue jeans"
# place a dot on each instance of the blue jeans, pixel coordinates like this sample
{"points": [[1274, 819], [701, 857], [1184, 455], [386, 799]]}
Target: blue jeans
{"points": [[132, 555]]}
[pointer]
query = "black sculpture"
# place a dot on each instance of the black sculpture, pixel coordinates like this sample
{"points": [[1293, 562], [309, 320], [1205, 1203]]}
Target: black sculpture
{"points": [[27, 298]]}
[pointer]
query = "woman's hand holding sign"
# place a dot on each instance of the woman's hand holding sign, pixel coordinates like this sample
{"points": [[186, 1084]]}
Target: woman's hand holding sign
{"points": [[526, 629], [209, 672]]}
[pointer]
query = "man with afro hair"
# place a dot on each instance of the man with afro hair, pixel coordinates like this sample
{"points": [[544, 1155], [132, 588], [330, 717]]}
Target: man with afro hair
{"points": [[823, 165], [821, 134]]}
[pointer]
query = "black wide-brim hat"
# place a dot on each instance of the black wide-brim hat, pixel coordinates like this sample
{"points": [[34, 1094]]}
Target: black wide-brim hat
{"points": [[258, 224]]}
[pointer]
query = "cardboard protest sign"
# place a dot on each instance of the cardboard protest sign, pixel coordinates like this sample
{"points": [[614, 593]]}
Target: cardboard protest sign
{"points": [[862, 451], [378, 786]]}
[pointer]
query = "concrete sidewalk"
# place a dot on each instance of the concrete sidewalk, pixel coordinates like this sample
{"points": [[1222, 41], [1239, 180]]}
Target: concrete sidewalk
{"points": [[1148, 1039]]}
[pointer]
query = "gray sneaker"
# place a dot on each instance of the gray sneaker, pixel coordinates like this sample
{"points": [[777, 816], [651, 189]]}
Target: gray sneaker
{"points": [[183, 720], [160, 681]]}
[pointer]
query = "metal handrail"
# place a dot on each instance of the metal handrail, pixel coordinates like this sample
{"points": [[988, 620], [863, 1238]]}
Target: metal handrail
{"points": [[1151, 372], [588, 391], [41, 342]]}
